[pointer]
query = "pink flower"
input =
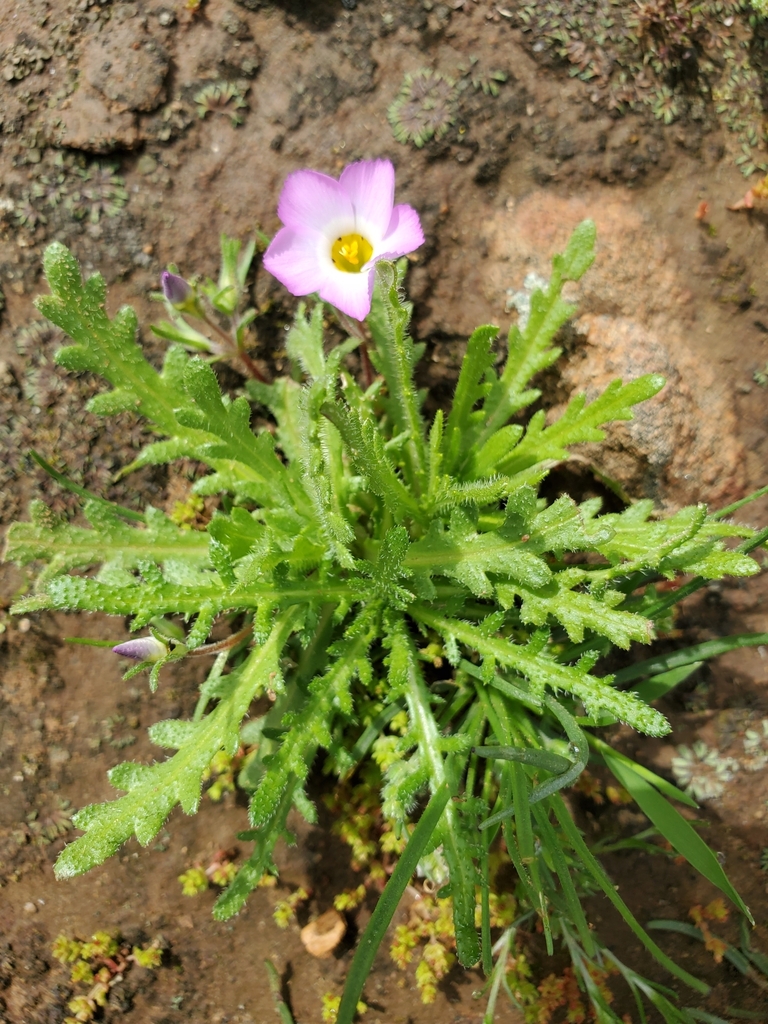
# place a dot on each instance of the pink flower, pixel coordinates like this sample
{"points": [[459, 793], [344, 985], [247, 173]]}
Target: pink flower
{"points": [[335, 231]]}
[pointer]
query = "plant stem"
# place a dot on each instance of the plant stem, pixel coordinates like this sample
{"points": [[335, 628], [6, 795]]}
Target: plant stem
{"points": [[222, 645], [248, 363]]}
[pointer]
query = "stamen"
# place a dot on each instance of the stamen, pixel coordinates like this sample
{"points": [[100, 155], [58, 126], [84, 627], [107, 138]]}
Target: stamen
{"points": [[351, 252]]}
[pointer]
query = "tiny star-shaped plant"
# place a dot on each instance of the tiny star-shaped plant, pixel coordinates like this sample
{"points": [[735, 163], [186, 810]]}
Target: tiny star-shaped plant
{"points": [[221, 98], [424, 109]]}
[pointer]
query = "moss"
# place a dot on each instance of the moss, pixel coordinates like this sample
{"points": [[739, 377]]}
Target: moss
{"points": [[673, 58]]}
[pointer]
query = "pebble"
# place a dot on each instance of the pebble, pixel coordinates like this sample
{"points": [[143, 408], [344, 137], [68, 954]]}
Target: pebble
{"points": [[30, 908], [147, 164]]}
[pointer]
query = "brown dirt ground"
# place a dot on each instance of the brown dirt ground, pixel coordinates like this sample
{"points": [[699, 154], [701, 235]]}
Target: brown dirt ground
{"points": [[496, 198]]}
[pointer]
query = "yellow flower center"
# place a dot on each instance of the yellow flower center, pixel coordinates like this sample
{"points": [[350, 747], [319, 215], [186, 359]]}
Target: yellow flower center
{"points": [[351, 252]]}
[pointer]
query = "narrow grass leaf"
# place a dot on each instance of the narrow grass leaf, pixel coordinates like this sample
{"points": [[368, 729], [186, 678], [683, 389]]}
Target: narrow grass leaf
{"points": [[675, 829], [387, 905]]}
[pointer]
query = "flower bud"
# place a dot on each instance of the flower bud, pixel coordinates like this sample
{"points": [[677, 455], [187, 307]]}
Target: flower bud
{"points": [[143, 648], [176, 290]]}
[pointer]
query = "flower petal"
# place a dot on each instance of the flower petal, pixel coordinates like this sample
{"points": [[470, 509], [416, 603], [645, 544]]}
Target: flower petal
{"points": [[295, 258], [351, 293], [313, 201], [370, 185], [404, 234]]}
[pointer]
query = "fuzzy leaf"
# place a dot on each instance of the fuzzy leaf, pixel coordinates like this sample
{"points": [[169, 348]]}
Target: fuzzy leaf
{"points": [[154, 790], [531, 351], [579, 423], [597, 694], [470, 389], [304, 343], [467, 556], [111, 540], [103, 346], [577, 611], [309, 727]]}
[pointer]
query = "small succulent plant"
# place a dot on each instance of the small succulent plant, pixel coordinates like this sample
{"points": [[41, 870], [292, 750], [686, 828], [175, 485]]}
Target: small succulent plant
{"points": [[665, 105], [756, 748], [27, 214], [480, 79], [703, 771], [24, 59], [424, 109], [101, 193], [51, 189], [221, 98]]}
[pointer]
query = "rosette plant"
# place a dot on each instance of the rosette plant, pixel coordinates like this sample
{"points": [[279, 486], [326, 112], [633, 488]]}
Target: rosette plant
{"points": [[366, 562]]}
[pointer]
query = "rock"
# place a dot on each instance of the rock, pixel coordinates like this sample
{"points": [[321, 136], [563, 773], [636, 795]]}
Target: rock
{"points": [[86, 122], [636, 318], [127, 66], [682, 446], [322, 936], [229, 57]]}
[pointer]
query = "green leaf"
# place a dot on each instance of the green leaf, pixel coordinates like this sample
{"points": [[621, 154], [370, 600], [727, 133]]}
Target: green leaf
{"points": [[577, 611], [579, 423], [309, 726], [579, 254], [103, 346], [596, 871], [365, 445], [231, 424], [463, 554], [530, 351], [597, 694], [154, 790], [111, 540], [470, 388], [252, 871], [304, 343], [689, 655], [537, 758], [675, 829], [395, 357], [173, 733], [82, 492], [658, 685], [405, 675]]}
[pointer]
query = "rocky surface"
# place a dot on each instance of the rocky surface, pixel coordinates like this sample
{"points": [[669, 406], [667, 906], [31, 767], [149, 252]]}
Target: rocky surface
{"points": [[683, 445]]}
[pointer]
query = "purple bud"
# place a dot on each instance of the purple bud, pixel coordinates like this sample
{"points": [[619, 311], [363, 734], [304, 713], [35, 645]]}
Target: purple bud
{"points": [[175, 288], [143, 648]]}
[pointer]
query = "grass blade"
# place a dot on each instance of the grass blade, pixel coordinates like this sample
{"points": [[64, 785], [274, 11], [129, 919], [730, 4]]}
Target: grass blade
{"points": [[82, 492], [655, 687], [645, 773], [274, 986], [582, 851], [387, 905], [686, 656], [675, 829]]}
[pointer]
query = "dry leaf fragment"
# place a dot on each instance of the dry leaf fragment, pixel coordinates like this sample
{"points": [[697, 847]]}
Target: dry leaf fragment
{"points": [[746, 203]]}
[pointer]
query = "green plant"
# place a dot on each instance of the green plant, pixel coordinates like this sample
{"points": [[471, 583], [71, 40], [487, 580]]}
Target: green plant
{"points": [[425, 107], [222, 98], [99, 965], [399, 581]]}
